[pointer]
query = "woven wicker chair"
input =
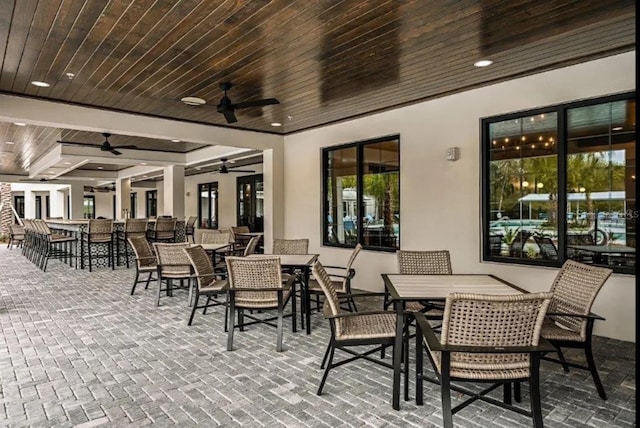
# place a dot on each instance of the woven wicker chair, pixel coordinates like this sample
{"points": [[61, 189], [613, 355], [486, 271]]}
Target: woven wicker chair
{"points": [[251, 246], [570, 321], [190, 228], [239, 241], [164, 230], [352, 328], [218, 238], [48, 245], [100, 232], [146, 261], [290, 246], [16, 236], [256, 284], [207, 282], [484, 338], [173, 264], [132, 227], [341, 277]]}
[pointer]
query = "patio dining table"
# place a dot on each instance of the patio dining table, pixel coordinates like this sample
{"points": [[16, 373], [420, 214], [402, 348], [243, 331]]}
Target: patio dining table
{"points": [[416, 288]]}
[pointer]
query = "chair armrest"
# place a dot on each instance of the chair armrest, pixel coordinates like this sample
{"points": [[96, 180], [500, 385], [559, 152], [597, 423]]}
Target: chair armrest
{"points": [[590, 315], [427, 332], [355, 314], [290, 281], [368, 294]]}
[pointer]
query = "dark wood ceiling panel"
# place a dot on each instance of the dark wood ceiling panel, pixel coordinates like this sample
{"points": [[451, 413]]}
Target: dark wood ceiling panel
{"points": [[29, 143], [324, 61]]}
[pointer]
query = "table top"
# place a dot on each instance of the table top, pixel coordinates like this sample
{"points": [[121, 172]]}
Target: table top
{"points": [[603, 248], [438, 287], [293, 260], [213, 247]]}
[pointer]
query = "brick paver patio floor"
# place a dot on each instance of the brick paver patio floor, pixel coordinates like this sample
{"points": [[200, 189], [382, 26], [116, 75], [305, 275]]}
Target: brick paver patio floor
{"points": [[78, 350]]}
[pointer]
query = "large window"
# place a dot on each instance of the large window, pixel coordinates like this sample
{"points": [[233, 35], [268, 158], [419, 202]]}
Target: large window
{"points": [[361, 193], [208, 205], [134, 204], [559, 183], [18, 204], [151, 203], [89, 209]]}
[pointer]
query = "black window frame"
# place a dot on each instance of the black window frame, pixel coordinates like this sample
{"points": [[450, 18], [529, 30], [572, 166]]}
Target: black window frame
{"points": [[151, 196], [211, 187], [18, 205], [562, 152], [38, 206], [133, 197], [359, 145], [91, 214]]}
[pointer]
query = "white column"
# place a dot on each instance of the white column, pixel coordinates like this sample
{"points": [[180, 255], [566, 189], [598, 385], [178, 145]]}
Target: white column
{"points": [[56, 201], [123, 197], [273, 175], [29, 204], [76, 203], [174, 191]]}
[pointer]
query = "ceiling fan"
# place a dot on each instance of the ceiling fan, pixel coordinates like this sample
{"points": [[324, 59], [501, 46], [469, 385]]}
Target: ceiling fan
{"points": [[225, 170], [105, 147], [227, 108]]}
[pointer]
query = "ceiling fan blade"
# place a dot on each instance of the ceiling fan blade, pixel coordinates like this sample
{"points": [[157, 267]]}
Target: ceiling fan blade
{"points": [[74, 143], [115, 152], [257, 103], [242, 170], [228, 114], [129, 146]]}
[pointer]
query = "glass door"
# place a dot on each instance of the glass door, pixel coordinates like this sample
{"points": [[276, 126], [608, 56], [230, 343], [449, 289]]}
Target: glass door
{"points": [[208, 205], [251, 202]]}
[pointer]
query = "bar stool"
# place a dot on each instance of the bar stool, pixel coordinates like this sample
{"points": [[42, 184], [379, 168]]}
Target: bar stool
{"points": [[164, 230], [100, 232], [133, 227]]}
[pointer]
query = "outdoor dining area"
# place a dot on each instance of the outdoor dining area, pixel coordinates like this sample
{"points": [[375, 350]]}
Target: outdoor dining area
{"points": [[209, 304]]}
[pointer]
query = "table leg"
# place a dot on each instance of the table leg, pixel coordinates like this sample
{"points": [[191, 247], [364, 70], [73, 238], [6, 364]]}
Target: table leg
{"points": [[419, 366], [397, 352], [307, 299]]}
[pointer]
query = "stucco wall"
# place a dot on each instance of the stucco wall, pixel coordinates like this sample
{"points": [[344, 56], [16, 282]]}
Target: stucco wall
{"points": [[440, 200]]}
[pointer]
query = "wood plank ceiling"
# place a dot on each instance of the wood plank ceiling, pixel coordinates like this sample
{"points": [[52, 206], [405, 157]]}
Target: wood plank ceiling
{"points": [[325, 61]]}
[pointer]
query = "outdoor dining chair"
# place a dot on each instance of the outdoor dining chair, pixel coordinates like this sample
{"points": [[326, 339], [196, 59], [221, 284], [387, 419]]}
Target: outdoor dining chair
{"points": [[146, 261], [341, 277], [173, 265], [190, 228], [208, 282], [16, 236], [491, 339], [256, 284], [569, 322], [352, 329], [548, 250]]}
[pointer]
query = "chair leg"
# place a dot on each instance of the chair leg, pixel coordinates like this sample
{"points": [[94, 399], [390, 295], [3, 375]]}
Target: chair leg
{"points": [[565, 366], [231, 326], [226, 314], [445, 392], [516, 392], [148, 281], [294, 307], [195, 305], [506, 392], [353, 303], [280, 327], [327, 368], [159, 292], [89, 254], [593, 369], [405, 350], [206, 305], [326, 354], [135, 282], [534, 393]]}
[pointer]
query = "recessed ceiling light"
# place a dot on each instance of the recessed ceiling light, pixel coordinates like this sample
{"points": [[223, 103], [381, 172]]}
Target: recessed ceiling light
{"points": [[40, 84], [175, 140], [143, 163], [67, 163], [100, 167], [19, 124], [144, 176], [617, 128], [9, 142], [276, 124], [193, 101], [70, 75], [198, 168], [483, 63]]}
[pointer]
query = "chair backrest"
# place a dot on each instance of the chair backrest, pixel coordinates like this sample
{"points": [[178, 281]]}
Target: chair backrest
{"points": [[214, 238], [290, 246], [201, 264], [431, 262], [332, 302], [495, 245], [548, 250], [191, 221], [251, 246], [143, 251], [16, 231], [164, 224], [493, 320], [255, 274], [580, 239], [100, 230], [135, 226], [574, 290], [240, 229], [172, 259]]}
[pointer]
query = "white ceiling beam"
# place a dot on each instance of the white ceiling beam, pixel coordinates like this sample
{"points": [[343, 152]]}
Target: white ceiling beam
{"points": [[45, 161], [60, 115]]}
